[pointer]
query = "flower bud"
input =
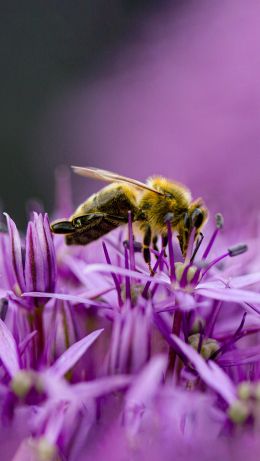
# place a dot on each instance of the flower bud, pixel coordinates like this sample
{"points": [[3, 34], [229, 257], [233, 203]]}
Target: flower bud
{"points": [[40, 266], [37, 270], [208, 347], [22, 383], [46, 450], [244, 390], [238, 412]]}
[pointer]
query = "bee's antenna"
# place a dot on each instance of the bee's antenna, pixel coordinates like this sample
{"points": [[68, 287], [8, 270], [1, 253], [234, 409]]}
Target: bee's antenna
{"points": [[199, 242]]}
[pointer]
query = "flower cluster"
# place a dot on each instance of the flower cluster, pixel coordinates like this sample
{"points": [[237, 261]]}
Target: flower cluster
{"points": [[99, 359]]}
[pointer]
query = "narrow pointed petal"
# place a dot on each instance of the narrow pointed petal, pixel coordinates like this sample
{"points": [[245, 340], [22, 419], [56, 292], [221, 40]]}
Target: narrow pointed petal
{"points": [[147, 382], [125, 340], [55, 423], [114, 342], [240, 356], [245, 280], [143, 391], [51, 266], [141, 343], [71, 356], [27, 451], [26, 341], [230, 294], [15, 264], [78, 299], [185, 301], [211, 374], [222, 383], [105, 268], [34, 269], [103, 386], [8, 350], [40, 261]]}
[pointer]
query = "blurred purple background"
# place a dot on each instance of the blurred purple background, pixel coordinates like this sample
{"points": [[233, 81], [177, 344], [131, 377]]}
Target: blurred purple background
{"points": [[170, 90]]}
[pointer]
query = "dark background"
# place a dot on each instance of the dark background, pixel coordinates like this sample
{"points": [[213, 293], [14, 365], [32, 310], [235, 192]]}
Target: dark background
{"points": [[139, 87], [44, 46]]}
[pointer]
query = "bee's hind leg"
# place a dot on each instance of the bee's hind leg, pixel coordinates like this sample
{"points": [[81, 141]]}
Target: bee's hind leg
{"points": [[146, 247], [155, 246]]}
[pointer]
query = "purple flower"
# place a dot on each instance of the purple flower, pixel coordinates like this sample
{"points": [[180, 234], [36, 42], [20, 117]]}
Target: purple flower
{"points": [[97, 354], [32, 268]]}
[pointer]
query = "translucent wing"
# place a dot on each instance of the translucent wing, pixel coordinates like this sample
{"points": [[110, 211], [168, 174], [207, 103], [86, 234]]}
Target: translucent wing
{"points": [[96, 173]]}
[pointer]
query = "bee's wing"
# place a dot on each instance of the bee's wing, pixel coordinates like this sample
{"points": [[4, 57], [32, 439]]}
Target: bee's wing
{"points": [[96, 173]]}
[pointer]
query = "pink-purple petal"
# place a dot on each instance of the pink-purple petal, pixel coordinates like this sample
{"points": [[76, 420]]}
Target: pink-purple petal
{"points": [[51, 255], [211, 373], [185, 301], [105, 268], [102, 386], [8, 350], [77, 299], [147, 382], [72, 355], [14, 260], [34, 268], [244, 280], [237, 357], [230, 294]]}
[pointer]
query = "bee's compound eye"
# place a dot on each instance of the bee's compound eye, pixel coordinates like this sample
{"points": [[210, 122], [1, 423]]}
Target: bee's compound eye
{"points": [[62, 227], [197, 218]]}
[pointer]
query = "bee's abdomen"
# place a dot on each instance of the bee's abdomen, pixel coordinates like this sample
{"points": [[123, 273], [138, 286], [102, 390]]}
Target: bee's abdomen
{"points": [[114, 200]]}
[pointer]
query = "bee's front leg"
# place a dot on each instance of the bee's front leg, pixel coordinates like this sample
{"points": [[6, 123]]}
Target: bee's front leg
{"points": [[146, 247]]}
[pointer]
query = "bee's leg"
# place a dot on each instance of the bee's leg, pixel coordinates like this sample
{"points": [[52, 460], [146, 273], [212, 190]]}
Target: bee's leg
{"points": [[164, 242], [146, 247], [155, 246]]}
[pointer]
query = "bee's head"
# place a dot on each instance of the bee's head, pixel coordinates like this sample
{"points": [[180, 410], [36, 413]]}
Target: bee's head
{"points": [[62, 227], [193, 219], [73, 230]]}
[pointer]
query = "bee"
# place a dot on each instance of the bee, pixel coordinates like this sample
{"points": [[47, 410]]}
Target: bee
{"points": [[151, 204]]}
